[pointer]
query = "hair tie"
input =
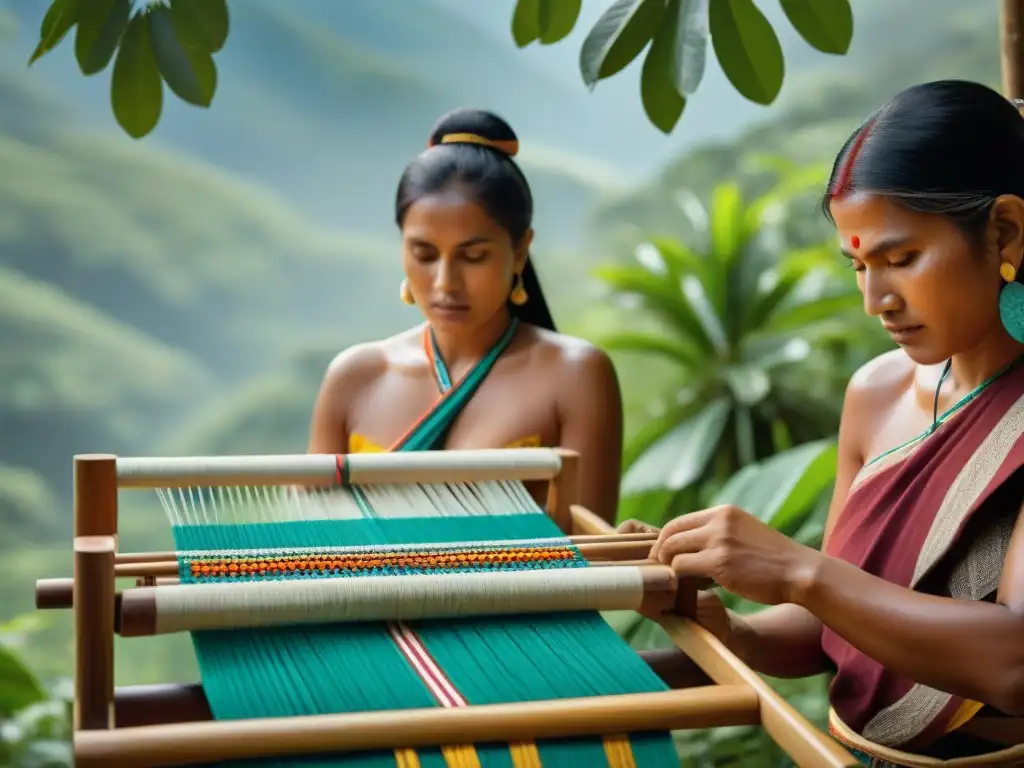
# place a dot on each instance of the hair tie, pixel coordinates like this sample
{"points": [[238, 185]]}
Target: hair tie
{"points": [[509, 148]]}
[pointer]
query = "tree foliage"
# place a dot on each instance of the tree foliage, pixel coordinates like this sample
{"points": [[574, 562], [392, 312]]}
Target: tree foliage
{"points": [[747, 325], [151, 45], [676, 33], [173, 42]]}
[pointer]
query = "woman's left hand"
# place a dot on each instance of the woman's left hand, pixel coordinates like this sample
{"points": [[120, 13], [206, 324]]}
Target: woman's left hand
{"points": [[739, 552]]}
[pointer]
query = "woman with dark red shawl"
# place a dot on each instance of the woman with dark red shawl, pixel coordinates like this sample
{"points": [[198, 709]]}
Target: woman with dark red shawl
{"points": [[916, 600]]}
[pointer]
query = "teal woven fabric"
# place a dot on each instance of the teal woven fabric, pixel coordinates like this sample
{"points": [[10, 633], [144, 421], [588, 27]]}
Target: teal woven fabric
{"points": [[349, 668], [358, 667]]}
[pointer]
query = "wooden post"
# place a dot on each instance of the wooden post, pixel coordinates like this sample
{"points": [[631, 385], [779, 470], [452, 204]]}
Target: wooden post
{"points": [[95, 510], [1011, 39], [564, 490]]}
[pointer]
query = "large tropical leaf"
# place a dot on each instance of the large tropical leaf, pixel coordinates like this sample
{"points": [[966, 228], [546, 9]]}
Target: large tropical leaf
{"points": [[676, 350], [19, 688], [680, 457], [659, 294], [782, 490]]}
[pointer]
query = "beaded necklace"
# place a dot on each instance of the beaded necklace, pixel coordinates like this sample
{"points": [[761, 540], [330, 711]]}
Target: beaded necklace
{"points": [[939, 420]]}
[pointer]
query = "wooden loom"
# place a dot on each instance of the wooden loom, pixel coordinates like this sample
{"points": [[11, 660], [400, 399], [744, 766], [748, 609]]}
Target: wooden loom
{"points": [[168, 725]]}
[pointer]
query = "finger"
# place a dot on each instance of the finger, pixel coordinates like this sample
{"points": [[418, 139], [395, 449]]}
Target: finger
{"points": [[693, 564], [681, 524], [683, 543]]}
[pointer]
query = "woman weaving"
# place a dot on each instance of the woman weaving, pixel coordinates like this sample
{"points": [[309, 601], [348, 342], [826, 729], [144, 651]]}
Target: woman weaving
{"points": [[917, 597], [489, 347], [486, 370]]}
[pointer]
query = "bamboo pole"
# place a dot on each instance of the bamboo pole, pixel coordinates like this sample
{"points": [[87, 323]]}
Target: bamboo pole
{"points": [[1011, 40]]}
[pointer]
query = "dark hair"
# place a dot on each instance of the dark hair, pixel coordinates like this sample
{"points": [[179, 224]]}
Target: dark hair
{"points": [[948, 147], [473, 149]]}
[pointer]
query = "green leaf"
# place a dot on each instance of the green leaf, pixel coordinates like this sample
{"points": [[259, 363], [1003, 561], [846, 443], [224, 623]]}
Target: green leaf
{"points": [[99, 32], [556, 19], [618, 36], [662, 102], [526, 22], [659, 295], [136, 89], [690, 44], [189, 72], [680, 457], [59, 19], [782, 491], [749, 384], [203, 24], [825, 24], [653, 343], [747, 48], [19, 688], [679, 259]]}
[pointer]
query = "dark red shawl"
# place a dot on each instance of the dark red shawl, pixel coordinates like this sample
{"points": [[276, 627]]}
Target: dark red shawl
{"points": [[904, 514]]}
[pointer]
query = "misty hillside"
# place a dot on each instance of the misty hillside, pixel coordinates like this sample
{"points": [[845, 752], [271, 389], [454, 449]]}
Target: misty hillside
{"points": [[363, 82]]}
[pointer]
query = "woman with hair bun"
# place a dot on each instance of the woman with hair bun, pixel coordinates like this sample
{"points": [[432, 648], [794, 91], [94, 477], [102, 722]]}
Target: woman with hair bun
{"points": [[486, 369], [487, 364], [916, 600]]}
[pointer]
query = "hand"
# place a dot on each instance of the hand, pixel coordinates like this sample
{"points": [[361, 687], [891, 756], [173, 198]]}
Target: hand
{"points": [[636, 526], [739, 552]]}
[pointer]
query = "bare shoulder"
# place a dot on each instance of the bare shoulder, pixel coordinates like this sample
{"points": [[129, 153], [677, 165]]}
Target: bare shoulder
{"points": [[872, 393], [880, 381], [360, 365], [574, 359]]}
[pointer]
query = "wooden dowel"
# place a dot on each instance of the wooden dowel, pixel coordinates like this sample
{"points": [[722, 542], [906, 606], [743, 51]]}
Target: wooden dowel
{"points": [[564, 490], [56, 594], [94, 631], [185, 744], [586, 522], [138, 705], [806, 745], [650, 589], [1011, 43]]}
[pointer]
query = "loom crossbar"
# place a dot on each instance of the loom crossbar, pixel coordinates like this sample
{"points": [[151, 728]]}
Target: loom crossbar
{"points": [[233, 605], [184, 744], [366, 468]]}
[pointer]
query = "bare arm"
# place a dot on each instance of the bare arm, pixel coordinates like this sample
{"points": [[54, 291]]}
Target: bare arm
{"points": [[591, 424], [926, 638], [784, 640]]}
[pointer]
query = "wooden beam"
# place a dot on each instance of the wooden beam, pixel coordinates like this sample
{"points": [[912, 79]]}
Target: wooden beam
{"points": [[1011, 42]]}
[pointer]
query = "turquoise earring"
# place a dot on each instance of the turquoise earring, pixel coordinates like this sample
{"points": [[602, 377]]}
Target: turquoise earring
{"points": [[1011, 302]]}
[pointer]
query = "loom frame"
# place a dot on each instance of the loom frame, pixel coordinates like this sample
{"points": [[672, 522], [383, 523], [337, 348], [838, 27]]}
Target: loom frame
{"points": [[112, 725]]}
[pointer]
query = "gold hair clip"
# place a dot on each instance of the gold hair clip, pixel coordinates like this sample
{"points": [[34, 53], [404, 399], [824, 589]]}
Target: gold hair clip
{"points": [[509, 148]]}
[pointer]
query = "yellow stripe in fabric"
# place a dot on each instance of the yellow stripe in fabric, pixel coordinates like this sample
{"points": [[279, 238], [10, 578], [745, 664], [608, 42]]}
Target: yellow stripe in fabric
{"points": [[525, 755], [461, 756], [618, 751], [967, 710], [406, 758]]}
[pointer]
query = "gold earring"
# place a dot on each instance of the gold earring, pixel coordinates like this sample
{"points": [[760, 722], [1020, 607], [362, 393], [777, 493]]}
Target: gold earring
{"points": [[406, 293], [519, 295], [1008, 272]]}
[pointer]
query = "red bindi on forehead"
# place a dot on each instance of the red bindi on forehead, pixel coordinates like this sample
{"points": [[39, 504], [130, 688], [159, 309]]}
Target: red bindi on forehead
{"points": [[855, 241]]}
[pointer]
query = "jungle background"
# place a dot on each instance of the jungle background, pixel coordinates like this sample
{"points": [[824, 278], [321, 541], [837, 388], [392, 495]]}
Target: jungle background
{"points": [[183, 294]]}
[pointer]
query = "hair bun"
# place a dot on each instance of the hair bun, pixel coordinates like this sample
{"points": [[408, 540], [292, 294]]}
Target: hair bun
{"points": [[475, 126]]}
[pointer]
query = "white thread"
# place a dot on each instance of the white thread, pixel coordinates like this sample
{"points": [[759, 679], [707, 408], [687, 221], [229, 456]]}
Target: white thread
{"points": [[196, 607]]}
